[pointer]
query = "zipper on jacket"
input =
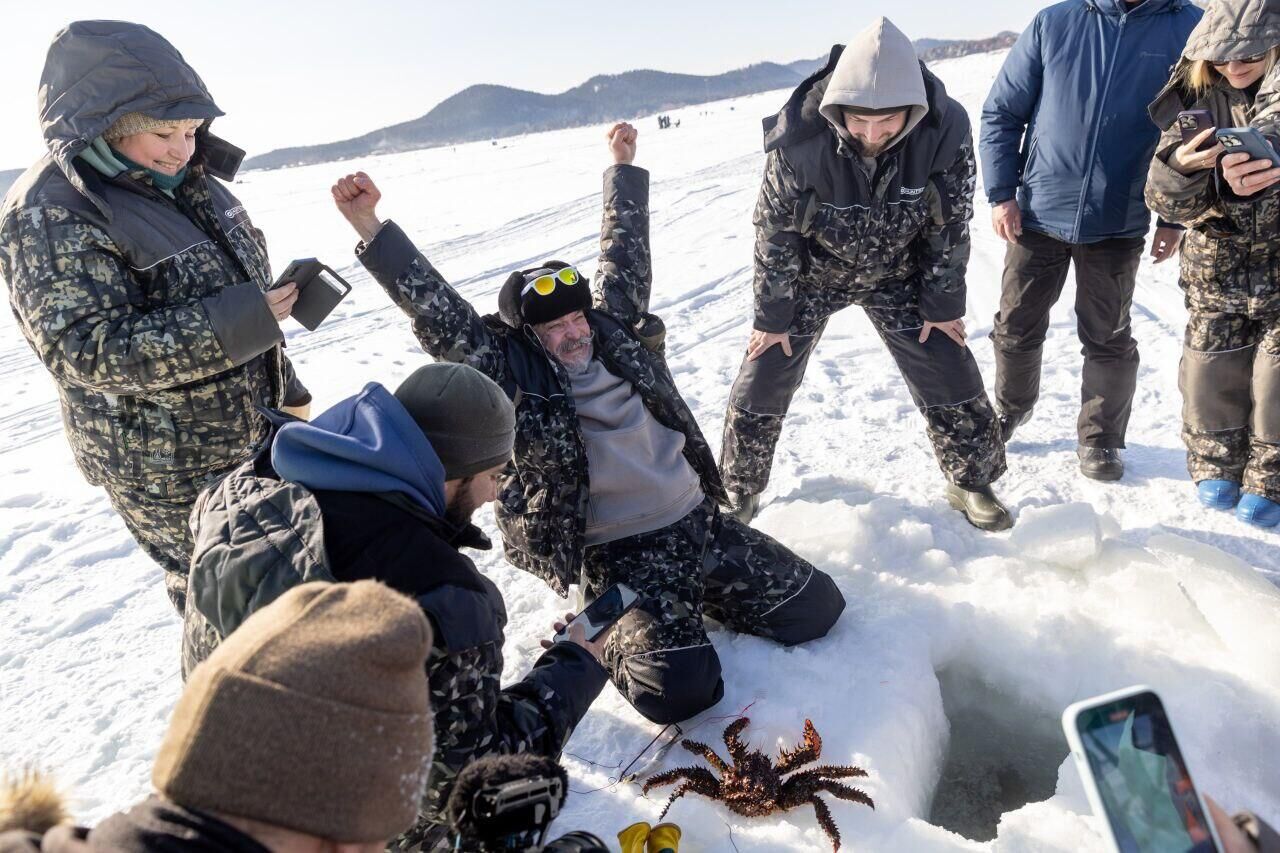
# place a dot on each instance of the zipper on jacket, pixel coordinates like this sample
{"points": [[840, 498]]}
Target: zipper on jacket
{"points": [[1093, 141]]}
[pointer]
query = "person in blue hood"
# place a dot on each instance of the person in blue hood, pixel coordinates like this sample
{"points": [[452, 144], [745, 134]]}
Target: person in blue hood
{"points": [[1065, 145], [382, 486]]}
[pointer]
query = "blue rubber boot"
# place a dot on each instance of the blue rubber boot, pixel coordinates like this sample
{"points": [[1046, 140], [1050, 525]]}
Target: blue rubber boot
{"points": [[1218, 494], [1258, 511]]}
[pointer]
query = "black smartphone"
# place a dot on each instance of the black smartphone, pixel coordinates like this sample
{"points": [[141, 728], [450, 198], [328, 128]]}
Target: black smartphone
{"points": [[1135, 775], [320, 289], [1192, 122], [1248, 140], [600, 615]]}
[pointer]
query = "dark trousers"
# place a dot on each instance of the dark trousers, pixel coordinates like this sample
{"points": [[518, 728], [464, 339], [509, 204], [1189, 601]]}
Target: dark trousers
{"points": [[706, 564], [1035, 270]]}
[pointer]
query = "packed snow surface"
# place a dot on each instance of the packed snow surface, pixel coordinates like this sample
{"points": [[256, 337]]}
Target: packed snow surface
{"points": [[958, 650]]}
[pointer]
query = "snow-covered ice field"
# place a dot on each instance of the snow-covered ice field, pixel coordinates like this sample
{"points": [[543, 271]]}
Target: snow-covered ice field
{"points": [[958, 650]]}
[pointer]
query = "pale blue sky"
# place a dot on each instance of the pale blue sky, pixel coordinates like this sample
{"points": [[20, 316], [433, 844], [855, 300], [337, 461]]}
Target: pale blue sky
{"points": [[290, 73]]}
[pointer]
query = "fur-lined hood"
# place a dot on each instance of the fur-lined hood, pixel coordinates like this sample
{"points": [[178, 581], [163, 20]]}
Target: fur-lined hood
{"points": [[30, 802]]}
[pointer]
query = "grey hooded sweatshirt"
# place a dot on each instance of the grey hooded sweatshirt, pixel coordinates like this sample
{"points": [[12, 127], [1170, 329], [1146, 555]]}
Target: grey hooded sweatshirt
{"points": [[878, 70], [833, 228]]}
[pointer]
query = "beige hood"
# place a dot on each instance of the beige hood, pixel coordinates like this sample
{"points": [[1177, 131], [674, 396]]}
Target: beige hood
{"points": [[878, 70]]}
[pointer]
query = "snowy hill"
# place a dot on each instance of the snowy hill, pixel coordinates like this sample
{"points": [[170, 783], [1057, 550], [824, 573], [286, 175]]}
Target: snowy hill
{"points": [[958, 650]]}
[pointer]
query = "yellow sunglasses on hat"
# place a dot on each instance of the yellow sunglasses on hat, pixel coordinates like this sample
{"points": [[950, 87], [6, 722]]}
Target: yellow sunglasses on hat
{"points": [[545, 284]]}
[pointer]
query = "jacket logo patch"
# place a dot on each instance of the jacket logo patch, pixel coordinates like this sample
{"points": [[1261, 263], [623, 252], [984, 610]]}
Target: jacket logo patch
{"points": [[233, 212], [912, 191]]}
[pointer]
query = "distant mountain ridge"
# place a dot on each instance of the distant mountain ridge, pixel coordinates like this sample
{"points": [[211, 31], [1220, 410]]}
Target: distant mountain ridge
{"points": [[7, 178], [488, 111]]}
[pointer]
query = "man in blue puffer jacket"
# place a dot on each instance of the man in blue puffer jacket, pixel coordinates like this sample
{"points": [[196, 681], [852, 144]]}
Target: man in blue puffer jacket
{"points": [[1065, 146]]}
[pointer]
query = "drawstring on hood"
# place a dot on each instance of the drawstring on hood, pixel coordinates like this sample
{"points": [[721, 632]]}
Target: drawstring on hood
{"points": [[878, 70], [366, 443]]}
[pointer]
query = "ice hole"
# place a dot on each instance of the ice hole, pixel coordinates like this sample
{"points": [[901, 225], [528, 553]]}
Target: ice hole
{"points": [[1001, 755]]}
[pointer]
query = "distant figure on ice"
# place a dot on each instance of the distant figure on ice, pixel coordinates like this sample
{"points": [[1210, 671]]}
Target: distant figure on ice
{"points": [[612, 481], [1230, 370], [139, 280], [867, 197], [1065, 146]]}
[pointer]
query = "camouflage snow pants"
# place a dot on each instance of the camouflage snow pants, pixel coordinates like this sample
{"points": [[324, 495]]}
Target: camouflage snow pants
{"points": [[706, 564], [158, 515], [943, 379], [1230, 382]]}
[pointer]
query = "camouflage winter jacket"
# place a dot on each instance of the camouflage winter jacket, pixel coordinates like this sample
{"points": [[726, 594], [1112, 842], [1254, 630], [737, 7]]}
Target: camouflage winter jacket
{"points": [[896, 238], [147, 310], [542, 504], [257, 536], [1231, 250]]}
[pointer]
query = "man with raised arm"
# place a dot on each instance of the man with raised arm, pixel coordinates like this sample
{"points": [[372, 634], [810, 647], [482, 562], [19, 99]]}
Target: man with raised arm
{"points": [[611, 480]]}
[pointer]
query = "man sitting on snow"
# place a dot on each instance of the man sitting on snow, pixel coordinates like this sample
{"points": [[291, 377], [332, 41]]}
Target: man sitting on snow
{"points": [[612, 481], [867, 196]]}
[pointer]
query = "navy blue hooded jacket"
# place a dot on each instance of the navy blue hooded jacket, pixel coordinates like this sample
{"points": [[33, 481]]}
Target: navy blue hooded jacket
{"points": [[1065, 127]]}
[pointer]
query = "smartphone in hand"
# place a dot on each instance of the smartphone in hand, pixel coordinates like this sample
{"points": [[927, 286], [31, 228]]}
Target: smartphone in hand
{"points": [[1248, 140], [1135, 775], [1193, 122], [320, 289], [600, 615]]}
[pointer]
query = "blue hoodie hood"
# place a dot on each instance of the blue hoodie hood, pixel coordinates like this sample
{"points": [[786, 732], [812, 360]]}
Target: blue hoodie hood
{"points": [[366, 443]]}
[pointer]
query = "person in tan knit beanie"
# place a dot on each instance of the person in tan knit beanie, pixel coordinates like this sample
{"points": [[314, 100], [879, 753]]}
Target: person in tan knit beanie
{"points": [[307, 731]]}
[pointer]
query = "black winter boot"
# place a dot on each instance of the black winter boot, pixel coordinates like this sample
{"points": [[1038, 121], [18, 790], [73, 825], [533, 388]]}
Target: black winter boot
{"points": [[1008, 423], [743, 507], [1100, 463], [980, 506]]}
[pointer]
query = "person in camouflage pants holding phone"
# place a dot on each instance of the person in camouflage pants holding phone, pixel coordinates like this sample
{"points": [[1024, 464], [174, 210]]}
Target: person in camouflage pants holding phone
{"points": [[1230, 368]]}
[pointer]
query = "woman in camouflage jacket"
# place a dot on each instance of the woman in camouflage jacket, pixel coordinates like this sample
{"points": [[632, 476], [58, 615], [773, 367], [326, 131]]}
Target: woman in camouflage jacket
{"points": [[140, 285], [1230, 370]]}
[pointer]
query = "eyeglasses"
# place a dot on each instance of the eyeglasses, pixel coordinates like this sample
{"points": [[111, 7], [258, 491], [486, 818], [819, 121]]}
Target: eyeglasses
{"points": [[545, 285], [1248, 60]]}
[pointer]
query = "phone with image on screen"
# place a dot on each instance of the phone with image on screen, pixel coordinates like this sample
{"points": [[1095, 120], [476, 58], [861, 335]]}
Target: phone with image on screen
{"points": [[1136, 776], [601, 614]]}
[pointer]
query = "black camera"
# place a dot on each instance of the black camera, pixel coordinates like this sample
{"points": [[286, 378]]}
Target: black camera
{"points": [[504, 803]]}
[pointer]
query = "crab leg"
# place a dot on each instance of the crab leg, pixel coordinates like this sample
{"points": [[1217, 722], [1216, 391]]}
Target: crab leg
{"points": [[706, 752], [697, 779], [808, 750], [737, 750], [826, 821]]}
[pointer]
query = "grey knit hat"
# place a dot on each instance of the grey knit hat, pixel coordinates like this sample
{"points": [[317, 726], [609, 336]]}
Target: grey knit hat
{"points": [[464, 414], [131, 123]]}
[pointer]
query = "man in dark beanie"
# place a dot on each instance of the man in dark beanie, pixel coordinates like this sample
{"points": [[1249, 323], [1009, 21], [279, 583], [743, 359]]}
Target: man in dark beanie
{"points": [[866, 200], [308, 730], [612, 481], [382, 486]]}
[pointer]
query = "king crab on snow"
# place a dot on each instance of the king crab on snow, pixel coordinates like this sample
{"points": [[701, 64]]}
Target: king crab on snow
{"points": [[753, 785]]}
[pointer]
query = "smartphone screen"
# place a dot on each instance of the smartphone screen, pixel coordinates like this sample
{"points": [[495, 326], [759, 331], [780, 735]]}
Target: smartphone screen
{"points": [[1142, 779], [612, 604]]}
